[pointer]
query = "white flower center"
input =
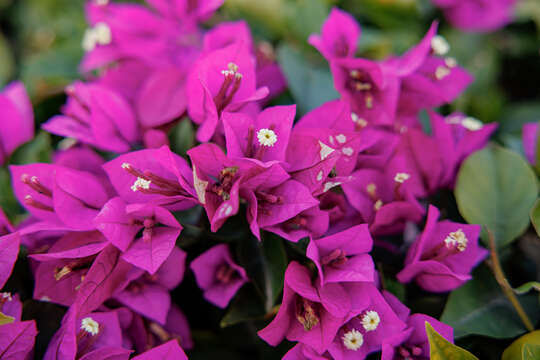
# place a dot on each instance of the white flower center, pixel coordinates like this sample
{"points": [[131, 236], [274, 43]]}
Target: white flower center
{"points": [[141, 183], [439, 45], [325, 150], [100, 34], [320, 175], [456, 239], [347, 151], [441, 72], [472, 124], [371, 320], [401, 177], [266, 137], [341, 138], [90, 326], [6, 295], [353, 339], [450, 62], [358, 120], [232, 71]]}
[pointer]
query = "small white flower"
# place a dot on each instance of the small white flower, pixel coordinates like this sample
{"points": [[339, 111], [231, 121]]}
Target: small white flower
{"points": [[325, 150], [401, 177], [341, 138], [358, 120], [6, 295], [266, 137], [441, 72], [90, 326], [472, 124], [103, 33], [458, 239], [371, 320], [227, 210], [439, 45], [125, 165], [450, 62], [141, 183], [232, 67], [353, 339], [320, 175], [89, 40], [347, 151]]}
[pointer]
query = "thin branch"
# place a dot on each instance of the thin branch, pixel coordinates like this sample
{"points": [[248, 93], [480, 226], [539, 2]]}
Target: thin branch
{"points": [[505, 285]]}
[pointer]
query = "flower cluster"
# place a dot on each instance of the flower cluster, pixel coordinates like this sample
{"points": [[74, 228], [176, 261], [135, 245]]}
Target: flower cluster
{"points": [[102, 234]]}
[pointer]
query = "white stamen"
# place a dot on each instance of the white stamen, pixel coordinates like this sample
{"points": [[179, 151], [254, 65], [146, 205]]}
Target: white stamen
{"points": [[266, 137], [325, 150], [232, 67], [378, 205], [439, 45], [450, 62], [347, 151], [125, 165], [472, 124], [371, 320], [401, 177], [358, 120], [141, 183], [226, 210], [6, 295], [100, 34], [90, 326], [353, 339], [103, 33], [200, 187], [320, 175], [328, 185], [341, 138], [441, 72], [45, 299], [457, 239]]}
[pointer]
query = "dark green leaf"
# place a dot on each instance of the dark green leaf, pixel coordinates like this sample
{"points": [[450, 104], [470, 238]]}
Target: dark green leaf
{"points": [[182, 137], [243, 308], [311, 85], [37, 150], [496, 188], [442, 349], [307, 17], [480, 307], [276, 263]]}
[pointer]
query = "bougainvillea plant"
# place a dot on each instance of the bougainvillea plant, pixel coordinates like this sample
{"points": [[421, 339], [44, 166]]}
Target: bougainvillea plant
{"points": [[208, 197]]}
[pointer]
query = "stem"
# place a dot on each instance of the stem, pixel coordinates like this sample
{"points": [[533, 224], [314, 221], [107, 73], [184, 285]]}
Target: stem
{"points": [[505, 285]]}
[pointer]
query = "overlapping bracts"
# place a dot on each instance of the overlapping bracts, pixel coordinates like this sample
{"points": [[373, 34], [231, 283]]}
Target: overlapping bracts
{"points": [[102, 234]]}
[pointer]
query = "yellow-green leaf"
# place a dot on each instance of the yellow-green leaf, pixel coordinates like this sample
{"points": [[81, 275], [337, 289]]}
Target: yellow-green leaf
{"points": [[4, 319], [442, 349], [530, 352], [515, 350]]}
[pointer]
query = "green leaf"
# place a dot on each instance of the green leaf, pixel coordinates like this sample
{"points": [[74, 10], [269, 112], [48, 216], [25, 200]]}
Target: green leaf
{"points": [[244, 307], [535, 216], [515, 350], [37, 150], [530, 352], [480, 307], [311, 85], [307, 17], [442, 349], [525, 288], [5, 319], [496, 188], [182, 137], [265, 262]]}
